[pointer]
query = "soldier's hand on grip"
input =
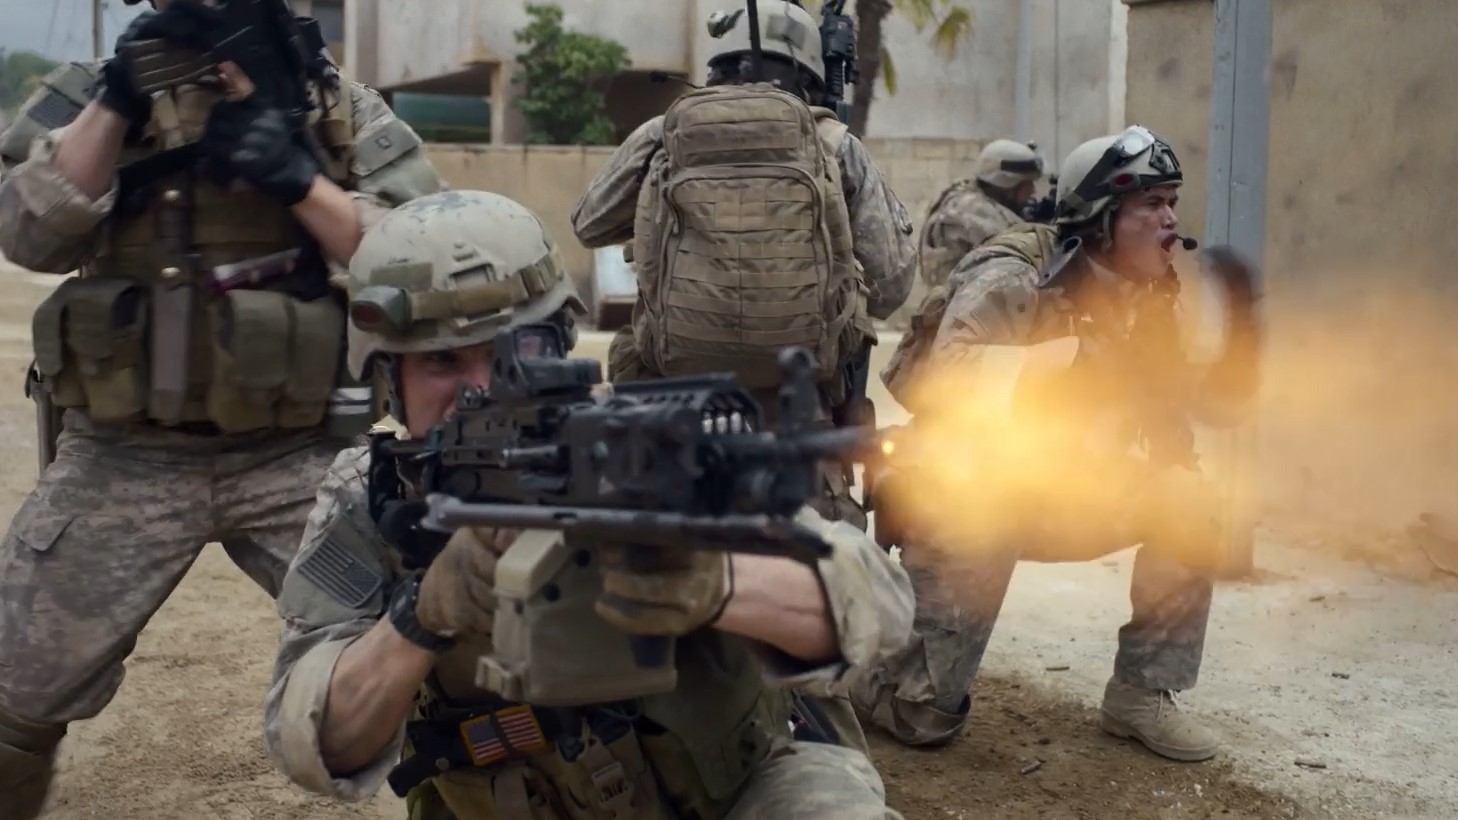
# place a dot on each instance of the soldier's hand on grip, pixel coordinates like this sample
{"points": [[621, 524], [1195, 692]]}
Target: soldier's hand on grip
{"points": [[657, 592], [254, 141], [457, 595], [117, 88]]}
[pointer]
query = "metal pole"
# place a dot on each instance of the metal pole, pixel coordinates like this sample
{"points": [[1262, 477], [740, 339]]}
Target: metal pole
{"points": [[1024, 81], [1236, 215], [97, 49]]}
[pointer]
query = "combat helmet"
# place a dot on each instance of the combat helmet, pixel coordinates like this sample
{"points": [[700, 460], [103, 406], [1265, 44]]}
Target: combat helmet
{"points": [[450, 270], [1006, 164], [1101, 170], [785, 29]]}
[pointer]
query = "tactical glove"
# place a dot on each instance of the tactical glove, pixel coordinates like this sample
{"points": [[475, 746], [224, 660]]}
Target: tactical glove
{"points": [[254, 141], [648, 591], [457, 595], [116, 89], [183, 23]]}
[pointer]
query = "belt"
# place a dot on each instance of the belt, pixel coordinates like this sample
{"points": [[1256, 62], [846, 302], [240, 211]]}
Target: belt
{"points": [[484, 737]]}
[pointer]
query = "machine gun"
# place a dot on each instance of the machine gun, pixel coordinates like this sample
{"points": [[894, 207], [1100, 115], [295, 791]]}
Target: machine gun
{"points": [[660, 465], [838, 42]]}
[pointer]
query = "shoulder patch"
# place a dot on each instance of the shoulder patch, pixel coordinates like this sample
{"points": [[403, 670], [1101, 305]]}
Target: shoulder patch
{"points": [[340, 574], [382, 146]]}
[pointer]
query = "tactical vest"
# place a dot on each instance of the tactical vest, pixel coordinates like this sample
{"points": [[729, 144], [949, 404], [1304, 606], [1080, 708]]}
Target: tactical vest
{"points": [[1034, 244], [742, 241], [206, 303], [683, 755]]}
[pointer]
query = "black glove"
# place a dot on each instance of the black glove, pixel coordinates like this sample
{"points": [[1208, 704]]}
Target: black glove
{"points": [[249, 139], [185, 23], [116, 89]]}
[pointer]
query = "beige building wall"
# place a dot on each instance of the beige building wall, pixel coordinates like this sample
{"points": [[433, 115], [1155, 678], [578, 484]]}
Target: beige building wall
{"points": [[467, 46], [1359, 420]]}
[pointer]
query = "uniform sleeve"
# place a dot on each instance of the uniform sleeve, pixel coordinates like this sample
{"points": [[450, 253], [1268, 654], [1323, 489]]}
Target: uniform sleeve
{"points": [[870, 601], [46, 223], [604, 214], [336, 589], [389, 166], [881, 229]]}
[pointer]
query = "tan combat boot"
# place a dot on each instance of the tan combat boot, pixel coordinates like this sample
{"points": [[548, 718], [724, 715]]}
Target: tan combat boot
{"points": [[1151, 717]]}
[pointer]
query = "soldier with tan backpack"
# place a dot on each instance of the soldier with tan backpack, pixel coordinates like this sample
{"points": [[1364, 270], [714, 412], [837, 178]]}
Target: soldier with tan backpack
{"points": [[757, 221]]}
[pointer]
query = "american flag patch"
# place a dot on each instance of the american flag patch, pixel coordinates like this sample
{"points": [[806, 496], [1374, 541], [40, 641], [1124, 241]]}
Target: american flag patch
{"points": [[517, 723]]}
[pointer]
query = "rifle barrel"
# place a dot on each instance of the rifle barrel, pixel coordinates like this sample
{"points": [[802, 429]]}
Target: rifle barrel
{"points": [[761, 534]]}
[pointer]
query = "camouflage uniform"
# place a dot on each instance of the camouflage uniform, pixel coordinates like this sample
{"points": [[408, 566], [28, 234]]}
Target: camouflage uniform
{"points": [[120, 515], [963, 217], [921, 696], [339, 586]]}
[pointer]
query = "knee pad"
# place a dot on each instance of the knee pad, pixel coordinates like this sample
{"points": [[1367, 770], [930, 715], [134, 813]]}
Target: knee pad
{"points": [[27, 760]]}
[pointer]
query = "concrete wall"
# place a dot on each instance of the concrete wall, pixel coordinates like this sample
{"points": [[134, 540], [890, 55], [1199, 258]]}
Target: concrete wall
{"points": [[550, 179], [453, 44], [1357, 423]]}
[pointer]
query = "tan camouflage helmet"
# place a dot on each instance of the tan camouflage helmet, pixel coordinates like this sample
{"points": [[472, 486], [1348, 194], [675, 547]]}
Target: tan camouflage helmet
{"points": [[784, 29], [1006, 164], [1101, 170], [450, 270]]}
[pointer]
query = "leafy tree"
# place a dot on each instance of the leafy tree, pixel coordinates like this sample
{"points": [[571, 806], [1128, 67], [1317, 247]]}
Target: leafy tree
{"points": [[564, 76], [950, 24], [20, 74]]}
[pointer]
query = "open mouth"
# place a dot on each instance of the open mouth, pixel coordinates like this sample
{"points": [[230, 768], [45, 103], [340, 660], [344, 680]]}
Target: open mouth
{"points": [[1168, 243]]}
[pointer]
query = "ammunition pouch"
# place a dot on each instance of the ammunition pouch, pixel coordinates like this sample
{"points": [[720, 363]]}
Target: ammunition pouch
{"points": [[268, 361], [90, 347], [484, 758], [274, 360]]}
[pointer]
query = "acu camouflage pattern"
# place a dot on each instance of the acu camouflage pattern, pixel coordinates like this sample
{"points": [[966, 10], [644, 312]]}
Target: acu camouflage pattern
{"points": [[113, 526], [122, 513], [339, 586], [962, 218], [921, 695]]}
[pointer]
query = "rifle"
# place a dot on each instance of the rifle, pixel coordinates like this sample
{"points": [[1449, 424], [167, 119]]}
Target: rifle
{"points": [[838, 44], [281, 54], [660, 465]]}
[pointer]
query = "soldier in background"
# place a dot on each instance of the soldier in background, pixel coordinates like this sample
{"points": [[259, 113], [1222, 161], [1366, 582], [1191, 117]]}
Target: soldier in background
{"points": [[971, 210], [197, 357]]}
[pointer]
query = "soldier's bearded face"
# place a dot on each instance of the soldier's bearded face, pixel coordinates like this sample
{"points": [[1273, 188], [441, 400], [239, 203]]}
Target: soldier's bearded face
{"points": [[1025, 192], [1144, 233], [428, 383]]}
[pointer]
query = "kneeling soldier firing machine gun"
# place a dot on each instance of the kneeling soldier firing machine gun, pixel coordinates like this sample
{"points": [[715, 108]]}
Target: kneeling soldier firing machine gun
{"points": [[657, 469]]}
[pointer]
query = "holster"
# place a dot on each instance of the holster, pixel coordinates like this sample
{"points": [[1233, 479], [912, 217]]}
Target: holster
{"points": [[47, 417]]}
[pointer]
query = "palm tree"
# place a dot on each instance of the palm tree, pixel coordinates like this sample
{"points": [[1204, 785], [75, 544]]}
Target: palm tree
{"points": [[951, 25]]}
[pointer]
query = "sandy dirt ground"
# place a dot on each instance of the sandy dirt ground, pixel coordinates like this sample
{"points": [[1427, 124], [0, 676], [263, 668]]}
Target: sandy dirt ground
{"points": [[1331, 683]]}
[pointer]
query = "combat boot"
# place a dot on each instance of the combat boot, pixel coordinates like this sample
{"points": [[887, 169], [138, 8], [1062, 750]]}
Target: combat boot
{"points": [[27, 764], [1152, 717]]}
